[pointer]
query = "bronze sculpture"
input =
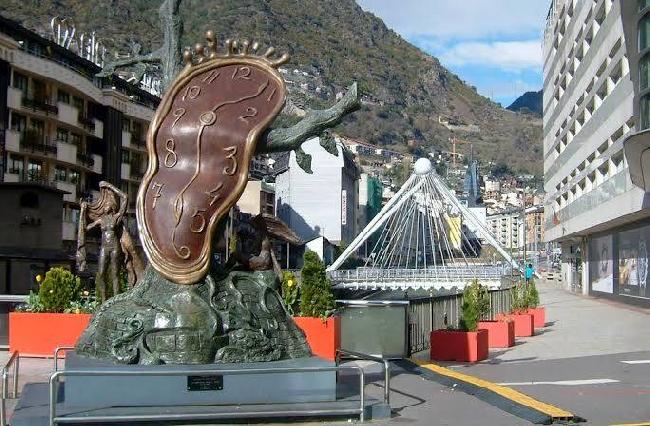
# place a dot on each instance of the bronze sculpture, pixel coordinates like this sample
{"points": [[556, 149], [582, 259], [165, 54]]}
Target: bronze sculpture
{"points": [[117, 250], [211, 121]]}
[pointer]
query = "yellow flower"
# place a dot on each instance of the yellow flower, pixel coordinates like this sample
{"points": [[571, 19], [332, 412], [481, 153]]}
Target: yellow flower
{"points": [[39, 278], [290, 283], [77, 311], [86, 293], [51, 291]]}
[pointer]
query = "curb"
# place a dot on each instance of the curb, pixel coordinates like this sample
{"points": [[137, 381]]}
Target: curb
{"points": [[503, 397]]}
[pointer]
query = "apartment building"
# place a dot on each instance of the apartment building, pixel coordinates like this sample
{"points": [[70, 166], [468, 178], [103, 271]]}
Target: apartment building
{"points": [[592, 204], [60, 126], [507, 228]]}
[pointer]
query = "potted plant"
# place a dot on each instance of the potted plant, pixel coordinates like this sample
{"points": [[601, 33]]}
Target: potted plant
{"points": [[468, 343], [501, 332], [55, 316], [538, 312], [316, 319], [519, 311]]}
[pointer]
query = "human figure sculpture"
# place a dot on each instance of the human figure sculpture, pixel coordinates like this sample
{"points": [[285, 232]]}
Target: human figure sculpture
{"points": [[117, 248]]}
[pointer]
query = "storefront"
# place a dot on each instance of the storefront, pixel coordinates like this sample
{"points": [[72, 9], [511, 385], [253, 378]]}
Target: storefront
{"points": [[618, 264]]}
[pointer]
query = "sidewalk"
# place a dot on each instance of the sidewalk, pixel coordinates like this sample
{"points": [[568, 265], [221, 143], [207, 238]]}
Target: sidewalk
{"points": [[581, 360]]}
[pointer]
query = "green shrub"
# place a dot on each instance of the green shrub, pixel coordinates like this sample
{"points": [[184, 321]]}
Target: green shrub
{"points": [[290, 292], [316, 297], [476, 305], [59, 288], [532, 295], [33, 304]]}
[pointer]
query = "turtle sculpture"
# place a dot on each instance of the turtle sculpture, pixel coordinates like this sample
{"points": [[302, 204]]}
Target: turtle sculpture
{"points": [[187, 308]]}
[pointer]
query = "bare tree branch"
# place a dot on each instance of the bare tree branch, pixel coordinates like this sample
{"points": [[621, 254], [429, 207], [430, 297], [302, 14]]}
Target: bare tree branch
{"points": [[314, 123], [110, 67]]}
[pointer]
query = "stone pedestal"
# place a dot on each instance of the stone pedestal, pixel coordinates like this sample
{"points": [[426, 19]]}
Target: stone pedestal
{"points": [[196, 389]]}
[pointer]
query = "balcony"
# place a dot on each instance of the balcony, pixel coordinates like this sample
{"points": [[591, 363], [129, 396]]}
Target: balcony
{"points": [[68, 114], [71, 190], [140, 144], [97, 163], [99, 129], [87, 160], [66, 152], [126, 171], [34, 177], [39, 104], [126, 139], [14, 98], [88, 123], [12, 140], [37, 144]]}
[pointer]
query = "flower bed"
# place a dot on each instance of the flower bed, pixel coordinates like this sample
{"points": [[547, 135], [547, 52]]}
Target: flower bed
{"points": [[456, 345], [523, 323]]}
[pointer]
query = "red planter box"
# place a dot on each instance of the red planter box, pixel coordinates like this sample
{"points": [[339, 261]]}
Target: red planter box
{"points": [[539, 316], [455, 345], [36, 334], [523, 323], [501, 334], [324, 337]]}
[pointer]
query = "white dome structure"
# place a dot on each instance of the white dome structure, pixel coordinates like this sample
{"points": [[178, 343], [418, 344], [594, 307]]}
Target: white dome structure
{"points": [[423, 167]]}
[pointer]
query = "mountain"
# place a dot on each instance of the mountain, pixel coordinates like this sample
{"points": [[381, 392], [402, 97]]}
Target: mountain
{"points": [[410, 102], [529, 102]]}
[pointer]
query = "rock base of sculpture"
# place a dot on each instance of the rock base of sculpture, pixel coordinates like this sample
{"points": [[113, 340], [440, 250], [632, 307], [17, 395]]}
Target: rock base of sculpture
{"points": [[226, 318], [197, 389]]}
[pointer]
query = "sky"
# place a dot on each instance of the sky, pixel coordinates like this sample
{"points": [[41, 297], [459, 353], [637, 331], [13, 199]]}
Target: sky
{"points": [[494, 45]]}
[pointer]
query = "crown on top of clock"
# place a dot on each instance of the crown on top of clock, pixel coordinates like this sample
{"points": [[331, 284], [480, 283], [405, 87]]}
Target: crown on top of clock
{"points": [[201, 53]]}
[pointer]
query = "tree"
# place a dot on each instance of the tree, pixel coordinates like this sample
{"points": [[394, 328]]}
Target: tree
{"points": [[316, 298]]}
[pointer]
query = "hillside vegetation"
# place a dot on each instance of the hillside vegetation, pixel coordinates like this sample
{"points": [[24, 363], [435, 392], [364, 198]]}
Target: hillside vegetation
{"points": [[332, 43]]}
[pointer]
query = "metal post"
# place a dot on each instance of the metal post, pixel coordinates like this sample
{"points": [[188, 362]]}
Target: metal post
{"points": [[54, 379], [3, 403], [387, 382], [362, 384], [16, 367]]}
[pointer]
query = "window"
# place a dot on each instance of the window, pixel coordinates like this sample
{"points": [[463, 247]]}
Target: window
{"points": [[60, 174], [79, 104], [61, 134], [644, 33], [644, 112], [37, 126], [644, 72], [63, 96], [18, 122], [16, 165], [74, 176], [34, 170], [75, 139], [20, 82]]}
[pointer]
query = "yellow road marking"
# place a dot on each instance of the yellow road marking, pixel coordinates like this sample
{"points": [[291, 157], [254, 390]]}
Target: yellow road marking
{"points": [[633, 424], [504, 391]]}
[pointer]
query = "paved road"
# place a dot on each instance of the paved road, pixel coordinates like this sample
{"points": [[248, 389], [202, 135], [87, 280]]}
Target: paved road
{"points": [[586, 339], [583, 346]]}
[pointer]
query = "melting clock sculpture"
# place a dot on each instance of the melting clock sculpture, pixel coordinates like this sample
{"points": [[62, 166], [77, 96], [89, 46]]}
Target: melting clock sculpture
{"points": [[200, 144], [186, 308]]}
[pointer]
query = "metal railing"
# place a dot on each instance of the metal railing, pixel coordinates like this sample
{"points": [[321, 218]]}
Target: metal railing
{"points": [[237, 413], [365, 357], [15, 360], [432, 313], [57, 351], [443, 273]]}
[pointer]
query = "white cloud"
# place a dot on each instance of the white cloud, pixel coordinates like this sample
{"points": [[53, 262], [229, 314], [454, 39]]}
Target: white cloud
{"points": [[507, 55]]}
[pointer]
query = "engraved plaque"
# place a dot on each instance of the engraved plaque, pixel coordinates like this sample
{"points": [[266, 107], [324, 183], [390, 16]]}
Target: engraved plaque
{"points": [[200, 143], [204, 383]]}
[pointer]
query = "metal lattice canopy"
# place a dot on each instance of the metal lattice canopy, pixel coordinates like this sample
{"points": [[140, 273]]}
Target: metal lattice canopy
{"points": [[420, 240]]}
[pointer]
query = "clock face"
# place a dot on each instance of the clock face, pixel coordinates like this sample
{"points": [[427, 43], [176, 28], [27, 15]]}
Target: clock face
{"points": [[200, 145]]}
